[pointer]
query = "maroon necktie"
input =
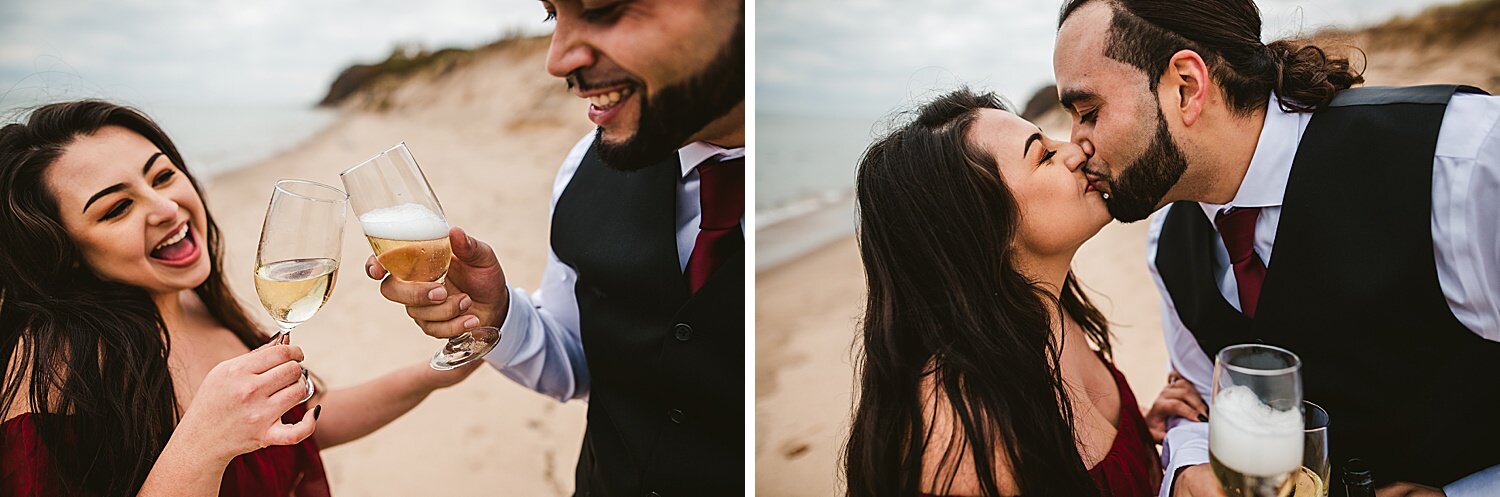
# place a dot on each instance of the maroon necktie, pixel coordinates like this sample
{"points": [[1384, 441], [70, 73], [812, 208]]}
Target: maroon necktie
{"points": [[1237, 227], [721, 191]]}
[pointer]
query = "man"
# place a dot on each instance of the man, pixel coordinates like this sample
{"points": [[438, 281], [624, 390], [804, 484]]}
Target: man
{"points": [[641, 310], [1380, 205]]}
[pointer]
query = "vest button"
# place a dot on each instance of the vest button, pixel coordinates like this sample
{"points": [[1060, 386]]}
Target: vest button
{"points": [[683, 332], [676, 416]]}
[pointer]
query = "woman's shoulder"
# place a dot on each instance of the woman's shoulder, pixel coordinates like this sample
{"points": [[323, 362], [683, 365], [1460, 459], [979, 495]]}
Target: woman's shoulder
{"points": [[947, 459]]}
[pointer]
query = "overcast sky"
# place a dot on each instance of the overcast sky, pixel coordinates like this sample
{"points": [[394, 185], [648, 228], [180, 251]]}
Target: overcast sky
{"points": [[226, 51], [864, 58]]}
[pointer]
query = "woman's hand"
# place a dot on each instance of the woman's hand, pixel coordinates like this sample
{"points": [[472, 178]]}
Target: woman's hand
{"points": [[239, 405], [1179, 398]]}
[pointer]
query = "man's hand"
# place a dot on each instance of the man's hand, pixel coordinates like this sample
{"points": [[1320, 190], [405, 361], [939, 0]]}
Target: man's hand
{"points": [[473, 295], [1404, 489], [1197, 481], [1178, 398]]}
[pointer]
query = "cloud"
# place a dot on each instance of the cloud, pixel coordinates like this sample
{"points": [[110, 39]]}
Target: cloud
{"points": [[282, 51], [868, 57]]}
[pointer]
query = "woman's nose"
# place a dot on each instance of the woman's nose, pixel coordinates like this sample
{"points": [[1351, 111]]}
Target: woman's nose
{"points": [[163, 210], [1068, 154]]}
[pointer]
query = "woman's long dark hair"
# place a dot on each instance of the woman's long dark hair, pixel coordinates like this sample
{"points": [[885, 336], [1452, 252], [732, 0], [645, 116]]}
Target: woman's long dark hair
{"points": [[91, 354], [947, 301]]}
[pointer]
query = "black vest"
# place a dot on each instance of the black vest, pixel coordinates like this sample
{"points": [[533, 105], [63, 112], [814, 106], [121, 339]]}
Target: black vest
{"points": [[667, 398], [1352, 288]]}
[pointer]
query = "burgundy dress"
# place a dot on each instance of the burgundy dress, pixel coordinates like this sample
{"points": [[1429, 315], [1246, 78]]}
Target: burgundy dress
{"points": [[1132, 468], [279, 471]]}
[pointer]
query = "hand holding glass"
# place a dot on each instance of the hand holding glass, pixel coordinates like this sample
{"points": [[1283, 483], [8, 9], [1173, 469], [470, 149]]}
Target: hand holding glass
{"points": [[406, 228], [298, 258]]}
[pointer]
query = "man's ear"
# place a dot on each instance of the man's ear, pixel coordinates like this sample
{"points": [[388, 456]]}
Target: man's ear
{"points": [[1185, 85]]}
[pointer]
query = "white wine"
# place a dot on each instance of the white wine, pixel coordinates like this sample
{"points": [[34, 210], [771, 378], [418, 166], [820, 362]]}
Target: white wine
{"points": [[1255, 450], [293, 290], [1310, 484], [410, 240]]}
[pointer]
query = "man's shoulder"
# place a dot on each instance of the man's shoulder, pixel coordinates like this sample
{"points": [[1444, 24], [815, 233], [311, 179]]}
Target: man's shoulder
{"points": [[580, 148], [1471, 120], [570, 165]]}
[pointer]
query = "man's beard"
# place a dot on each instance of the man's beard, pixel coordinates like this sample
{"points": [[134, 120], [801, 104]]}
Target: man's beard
{"points": [[679, 111], [1140, 187]]}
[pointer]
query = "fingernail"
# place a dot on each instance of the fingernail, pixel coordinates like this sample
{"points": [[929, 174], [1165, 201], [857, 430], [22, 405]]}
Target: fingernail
{"points": [[317, 411], [463, 305], [1203, 418], [471, 323], [438, 293]]}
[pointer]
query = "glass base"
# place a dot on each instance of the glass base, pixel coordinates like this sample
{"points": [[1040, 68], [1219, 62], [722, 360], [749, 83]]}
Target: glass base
{"points": [[466, 348]]}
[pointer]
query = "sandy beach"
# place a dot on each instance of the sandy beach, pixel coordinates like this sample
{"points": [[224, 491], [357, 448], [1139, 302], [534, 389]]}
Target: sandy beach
{"points": [[807, 310], [490, 135]]}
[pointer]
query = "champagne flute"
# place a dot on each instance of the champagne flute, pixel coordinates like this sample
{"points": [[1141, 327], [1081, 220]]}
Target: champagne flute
{"points": [[1312, 478], [298, 258], [404, 223], [1255, 437]]}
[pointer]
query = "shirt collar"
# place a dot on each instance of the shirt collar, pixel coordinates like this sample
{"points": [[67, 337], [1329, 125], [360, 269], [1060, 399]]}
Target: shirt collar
{"points": [[696, 152], [1265, 180]]}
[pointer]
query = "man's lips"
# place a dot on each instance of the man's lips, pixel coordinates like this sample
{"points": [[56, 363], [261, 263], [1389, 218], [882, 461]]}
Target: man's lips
{"points": [[604, 104]]}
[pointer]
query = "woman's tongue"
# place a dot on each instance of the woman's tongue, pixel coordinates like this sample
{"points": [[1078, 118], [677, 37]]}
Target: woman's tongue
{"points": [[175, 251]]}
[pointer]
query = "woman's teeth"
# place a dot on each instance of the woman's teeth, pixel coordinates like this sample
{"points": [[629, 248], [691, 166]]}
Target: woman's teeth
{"points": [[176, 238], [607, 100]]}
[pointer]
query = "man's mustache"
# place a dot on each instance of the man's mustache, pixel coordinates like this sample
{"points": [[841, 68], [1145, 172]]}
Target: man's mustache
{"points": [[585, 83]]}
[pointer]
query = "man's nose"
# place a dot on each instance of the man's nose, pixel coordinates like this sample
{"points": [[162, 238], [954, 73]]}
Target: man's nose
{"points": [[569, 50]]}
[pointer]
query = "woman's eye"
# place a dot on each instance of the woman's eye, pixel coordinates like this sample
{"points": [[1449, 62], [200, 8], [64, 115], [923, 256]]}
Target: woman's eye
{"points": [[551, 16], [162, 178], [1047, 156], [116, 210]]}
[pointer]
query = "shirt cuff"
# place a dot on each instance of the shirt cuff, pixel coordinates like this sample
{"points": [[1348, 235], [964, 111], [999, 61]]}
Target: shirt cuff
{"points": [[1479, 484], [514, 330], [1186, 445]]}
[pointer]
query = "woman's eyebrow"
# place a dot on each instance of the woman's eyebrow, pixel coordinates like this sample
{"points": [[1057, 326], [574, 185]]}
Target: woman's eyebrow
{"points": [[120, 186]]}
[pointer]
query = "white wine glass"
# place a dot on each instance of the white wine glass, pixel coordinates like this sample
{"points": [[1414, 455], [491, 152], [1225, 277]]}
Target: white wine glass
{"points": [[298, 258], [404, 222], [1255, 437]]}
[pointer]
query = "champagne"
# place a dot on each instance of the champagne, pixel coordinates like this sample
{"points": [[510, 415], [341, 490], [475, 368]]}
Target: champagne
{"points": [[410, 240], [293, 290], [1255, 450], [413, 260], [1310, 484]]}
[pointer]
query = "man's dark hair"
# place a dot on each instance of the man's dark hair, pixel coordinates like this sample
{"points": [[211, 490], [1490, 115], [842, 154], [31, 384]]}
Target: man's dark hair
{"points": [[1226, 33]]}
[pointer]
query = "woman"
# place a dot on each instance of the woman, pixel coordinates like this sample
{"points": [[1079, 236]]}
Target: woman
{"points": [[129, 367], [985, 368]]}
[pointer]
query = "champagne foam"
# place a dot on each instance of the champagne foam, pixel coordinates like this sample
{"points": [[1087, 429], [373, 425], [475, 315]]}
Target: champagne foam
{"points": [[404, 222], [1253, 438]]}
